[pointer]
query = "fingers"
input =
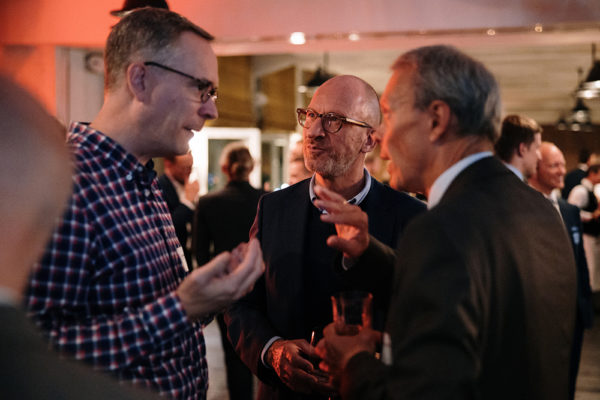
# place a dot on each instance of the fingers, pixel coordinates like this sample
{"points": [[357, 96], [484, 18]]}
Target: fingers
{"points": [[216, 267], [306, 348], [345, 246], [377, 337], [249, 269], [334, 207]]}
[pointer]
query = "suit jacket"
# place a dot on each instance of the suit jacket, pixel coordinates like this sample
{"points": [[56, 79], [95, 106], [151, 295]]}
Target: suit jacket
{"points": [[484, 299], [275, 305], [29, 370], [180, 214], [572, 179], [572, 219], [223, 219]]}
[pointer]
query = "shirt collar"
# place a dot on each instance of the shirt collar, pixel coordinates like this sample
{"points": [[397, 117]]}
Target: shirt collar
{"points": [[586, 183], [441, 184], [516, 170], [356, 200], [109, 149]]}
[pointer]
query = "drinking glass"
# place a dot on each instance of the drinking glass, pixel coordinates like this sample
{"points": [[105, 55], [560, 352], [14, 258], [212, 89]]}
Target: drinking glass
{"points": [[351, 311]]}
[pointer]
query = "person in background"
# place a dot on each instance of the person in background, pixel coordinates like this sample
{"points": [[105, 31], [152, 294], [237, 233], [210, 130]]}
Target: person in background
{"points": [[221, 222], [483, 304], [574, 177], [32, 199], [271, 327], [377, 166], [181, 196], [583, 196], [298, 171], [518, 145], [549, 177], [111, 288]]}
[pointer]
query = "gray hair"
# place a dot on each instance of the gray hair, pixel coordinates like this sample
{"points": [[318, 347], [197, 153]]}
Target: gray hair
{"points": [[144, 32], [444, 73]]}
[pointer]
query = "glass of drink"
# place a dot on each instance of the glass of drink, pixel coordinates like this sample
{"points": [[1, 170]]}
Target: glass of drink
{"points": [[351, 311]]}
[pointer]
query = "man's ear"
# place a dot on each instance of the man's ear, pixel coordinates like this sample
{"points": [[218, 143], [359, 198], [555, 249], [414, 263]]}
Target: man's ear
{"points": [[137, 83], [522, 149], [440, 117], [370, 143]]}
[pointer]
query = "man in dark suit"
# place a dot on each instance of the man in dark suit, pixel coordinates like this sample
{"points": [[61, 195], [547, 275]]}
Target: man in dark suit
{"points": [[574, 177], [484, 298], [549, 178], [180, 195], [38, 192], [270, 328]]}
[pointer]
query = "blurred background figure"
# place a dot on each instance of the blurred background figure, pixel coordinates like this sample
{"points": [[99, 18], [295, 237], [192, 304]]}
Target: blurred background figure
{"points": [[130, 5], [180, 195], [574, 177], [297, 170], [583, 197], [548, 180], [32, 198], [377, 166], [222, 221], [518, 145]]}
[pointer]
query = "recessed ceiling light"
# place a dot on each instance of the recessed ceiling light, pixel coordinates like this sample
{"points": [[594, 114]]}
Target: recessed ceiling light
{"points": [[297, 38]]}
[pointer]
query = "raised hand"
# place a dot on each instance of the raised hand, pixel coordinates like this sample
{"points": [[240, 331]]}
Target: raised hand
{"points": [[226, 278], [351, 223], [336, 350]]}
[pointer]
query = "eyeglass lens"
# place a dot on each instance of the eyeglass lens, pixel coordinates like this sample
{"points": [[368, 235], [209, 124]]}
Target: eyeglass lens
{"points": [[330, 122]]}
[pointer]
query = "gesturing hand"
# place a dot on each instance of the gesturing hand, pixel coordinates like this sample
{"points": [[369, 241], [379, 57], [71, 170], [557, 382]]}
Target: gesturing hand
{"points": [[336, 350], [351, 223], [221, 281], [291, 361]]}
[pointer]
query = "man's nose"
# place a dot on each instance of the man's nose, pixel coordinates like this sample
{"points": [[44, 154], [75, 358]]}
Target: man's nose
{"points": [[315, 130], [208, 110]]}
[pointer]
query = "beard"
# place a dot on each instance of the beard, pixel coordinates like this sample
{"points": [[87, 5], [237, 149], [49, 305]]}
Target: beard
{"points": [[329, 165]]}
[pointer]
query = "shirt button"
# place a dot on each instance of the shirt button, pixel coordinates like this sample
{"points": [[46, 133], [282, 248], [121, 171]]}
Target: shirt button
{"points": [[129, 176], [146, 192]]}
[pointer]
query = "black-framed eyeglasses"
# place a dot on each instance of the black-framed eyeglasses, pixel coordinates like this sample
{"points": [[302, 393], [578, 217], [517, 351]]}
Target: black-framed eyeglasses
{"points": [[205, 87], [330, 121]]}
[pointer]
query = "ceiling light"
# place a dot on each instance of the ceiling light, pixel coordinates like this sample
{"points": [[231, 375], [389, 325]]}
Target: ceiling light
{"points": [[590, 88], [320, 76], [354, 36], [578, 120], [297, 38]]}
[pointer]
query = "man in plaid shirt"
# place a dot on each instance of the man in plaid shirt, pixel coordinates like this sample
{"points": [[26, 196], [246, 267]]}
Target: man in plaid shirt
{"points": [[113, 287]]}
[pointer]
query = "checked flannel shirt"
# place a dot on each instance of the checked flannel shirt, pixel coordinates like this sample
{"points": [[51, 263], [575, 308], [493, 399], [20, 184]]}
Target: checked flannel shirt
{"points": [[104, 290]]}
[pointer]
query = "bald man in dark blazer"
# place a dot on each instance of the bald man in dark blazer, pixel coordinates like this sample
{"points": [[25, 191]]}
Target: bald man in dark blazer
{"points": [[271, 327]]}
